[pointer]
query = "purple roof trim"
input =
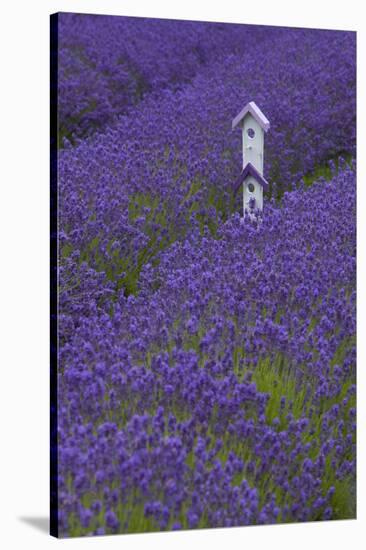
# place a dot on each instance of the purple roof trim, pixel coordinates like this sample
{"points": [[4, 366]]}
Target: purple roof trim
{"points": [[255, 111], [249, 170]]}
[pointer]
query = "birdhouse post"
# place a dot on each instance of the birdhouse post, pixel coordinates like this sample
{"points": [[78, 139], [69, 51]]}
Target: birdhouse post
{"points": [[253, 125]]}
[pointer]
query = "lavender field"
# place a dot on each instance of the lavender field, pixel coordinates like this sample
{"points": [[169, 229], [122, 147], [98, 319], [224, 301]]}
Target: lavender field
{"points": [[206, 367]]}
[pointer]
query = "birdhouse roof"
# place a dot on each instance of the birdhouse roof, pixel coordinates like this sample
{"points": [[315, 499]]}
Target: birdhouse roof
{"points": [[255, 111], [249, 170]]}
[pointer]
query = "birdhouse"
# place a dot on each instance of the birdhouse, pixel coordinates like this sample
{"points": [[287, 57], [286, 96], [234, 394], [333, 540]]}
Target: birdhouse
{"points": [[253, 185], [253, 124]]}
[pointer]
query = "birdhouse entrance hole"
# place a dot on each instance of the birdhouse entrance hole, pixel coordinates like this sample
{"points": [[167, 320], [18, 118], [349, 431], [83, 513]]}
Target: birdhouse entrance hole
{"points": [[251, 187], [251, 133]]}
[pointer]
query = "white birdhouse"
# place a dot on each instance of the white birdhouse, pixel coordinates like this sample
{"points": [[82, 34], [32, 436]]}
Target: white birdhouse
{"points": [[253, 124], [253, 184]]}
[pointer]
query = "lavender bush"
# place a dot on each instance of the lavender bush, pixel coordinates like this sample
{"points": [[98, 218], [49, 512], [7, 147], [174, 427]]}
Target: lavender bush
{"points": [[206, 366], [108, 64]]}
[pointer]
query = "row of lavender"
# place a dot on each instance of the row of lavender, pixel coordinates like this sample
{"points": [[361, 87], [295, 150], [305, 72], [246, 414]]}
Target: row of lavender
{"points": [[128, 193], [108, 64], [223, 393]]}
